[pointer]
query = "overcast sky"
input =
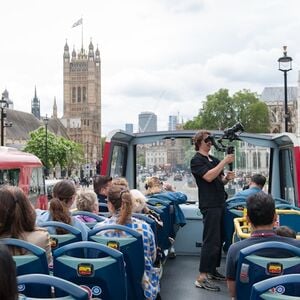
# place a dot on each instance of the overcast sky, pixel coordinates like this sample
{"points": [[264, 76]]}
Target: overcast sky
{"points": [[163, 56]]}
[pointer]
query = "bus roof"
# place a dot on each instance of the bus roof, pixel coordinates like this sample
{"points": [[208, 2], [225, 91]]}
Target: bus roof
{"points": [[11, 157]]}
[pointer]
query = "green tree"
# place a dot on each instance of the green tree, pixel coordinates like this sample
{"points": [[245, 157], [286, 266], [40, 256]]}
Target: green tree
{"points": [[61, 151], [221, 111]]}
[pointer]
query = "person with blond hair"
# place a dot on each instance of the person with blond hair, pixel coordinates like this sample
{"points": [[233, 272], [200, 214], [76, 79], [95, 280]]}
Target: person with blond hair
{"points": [[120, 206], [18, 219], [86, 200]]}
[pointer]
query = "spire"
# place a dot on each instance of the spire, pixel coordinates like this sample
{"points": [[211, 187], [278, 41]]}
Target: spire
{"points": [[91, 50], [66, 51], [54, 109], [35, 105]]}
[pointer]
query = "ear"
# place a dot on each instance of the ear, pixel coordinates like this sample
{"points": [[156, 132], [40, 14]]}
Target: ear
{"points": [[275, 219]]}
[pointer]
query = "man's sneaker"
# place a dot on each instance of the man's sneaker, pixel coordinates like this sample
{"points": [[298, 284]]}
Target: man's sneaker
{"points": [[207, 285], [216, 276], [172, 253]]}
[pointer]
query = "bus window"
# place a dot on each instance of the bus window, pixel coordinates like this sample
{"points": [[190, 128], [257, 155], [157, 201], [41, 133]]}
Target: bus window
{"points": [[286, 173], [118, 161], [169, 160], [36, 185], [10, 177]]}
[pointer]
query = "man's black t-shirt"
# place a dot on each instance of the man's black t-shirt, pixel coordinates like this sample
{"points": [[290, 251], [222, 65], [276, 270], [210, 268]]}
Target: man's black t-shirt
{"points": [[210, 194]]}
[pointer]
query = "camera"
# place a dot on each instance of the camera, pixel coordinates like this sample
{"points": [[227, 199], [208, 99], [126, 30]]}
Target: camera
{"points": [[230, 133]]}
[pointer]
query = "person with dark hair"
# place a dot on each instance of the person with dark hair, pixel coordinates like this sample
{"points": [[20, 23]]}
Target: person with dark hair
{"points": [[210, 180], [8, 279], [261, 215], [120, 206], [256, 185], [59, 210], [18, 219], [101, 186], [286, 231]]}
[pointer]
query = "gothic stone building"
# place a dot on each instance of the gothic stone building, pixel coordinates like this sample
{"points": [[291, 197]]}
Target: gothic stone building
{"points": [[82, 100], [274, 98]]}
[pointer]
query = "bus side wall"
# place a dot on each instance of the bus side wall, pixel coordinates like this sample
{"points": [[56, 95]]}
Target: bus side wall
{"points": [[297, 173]]}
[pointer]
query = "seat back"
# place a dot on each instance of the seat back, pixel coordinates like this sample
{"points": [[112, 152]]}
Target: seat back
{"points": [[42, 281], [103, 275], [290, 218], [168, 219], [133, 250], [280, 287], [262, 261], [34, 261], [234, 208], [89, 214], [60, 240]]}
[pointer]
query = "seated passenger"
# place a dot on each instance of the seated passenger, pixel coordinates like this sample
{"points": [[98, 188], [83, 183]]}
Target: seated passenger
{"points": [[8, 279], [59, 209], [101, 186], [262, 216], [286, 231], [139, 205], [120, 206], [86, 200], [256, 185], [18, 219]]}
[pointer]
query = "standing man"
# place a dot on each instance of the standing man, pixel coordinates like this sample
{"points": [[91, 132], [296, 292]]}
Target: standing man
{"points": [[210, 179]]}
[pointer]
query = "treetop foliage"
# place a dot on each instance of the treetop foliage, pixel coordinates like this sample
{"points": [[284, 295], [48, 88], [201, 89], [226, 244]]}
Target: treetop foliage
{"points": [[221, 111]]}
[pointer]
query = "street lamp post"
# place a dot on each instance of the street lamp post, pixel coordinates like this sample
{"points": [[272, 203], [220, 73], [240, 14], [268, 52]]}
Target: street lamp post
{"points": [[3, 106], [285, 65], [46, 120]]}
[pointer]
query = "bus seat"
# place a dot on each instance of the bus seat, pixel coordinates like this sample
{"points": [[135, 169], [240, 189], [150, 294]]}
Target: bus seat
{"points": [[169, 219], [252, 267], [41, 281], [104, 275], [59, 240], [133, 251], [234, 208], [34, 261], [96, 217], [281, 287], [290, 218]]}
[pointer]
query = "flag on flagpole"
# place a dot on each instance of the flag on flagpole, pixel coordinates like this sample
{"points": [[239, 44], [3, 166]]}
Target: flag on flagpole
{"points": [[77, 23]]}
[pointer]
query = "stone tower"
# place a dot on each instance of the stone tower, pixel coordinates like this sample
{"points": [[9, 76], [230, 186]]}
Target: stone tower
{"points": [[35, 106], [82, 101]]}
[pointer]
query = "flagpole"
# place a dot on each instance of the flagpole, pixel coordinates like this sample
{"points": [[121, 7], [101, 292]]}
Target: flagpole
{"points": [[82, 34]]}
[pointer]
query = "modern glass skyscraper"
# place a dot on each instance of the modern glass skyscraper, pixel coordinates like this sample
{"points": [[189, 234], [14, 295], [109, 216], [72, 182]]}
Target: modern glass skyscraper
{"points": [[147, 122], [172, 123]]}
